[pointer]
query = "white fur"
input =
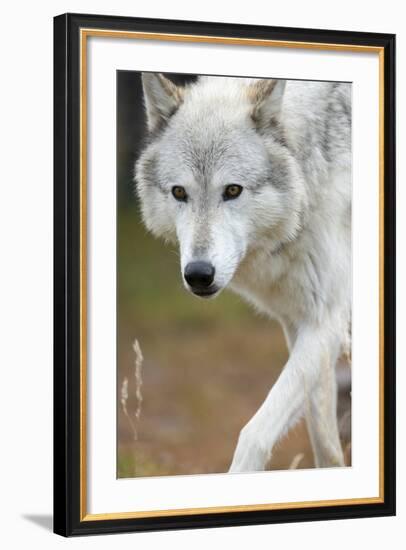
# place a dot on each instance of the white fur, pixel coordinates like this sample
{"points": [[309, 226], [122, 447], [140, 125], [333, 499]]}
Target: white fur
{"points": [[284, 244]]}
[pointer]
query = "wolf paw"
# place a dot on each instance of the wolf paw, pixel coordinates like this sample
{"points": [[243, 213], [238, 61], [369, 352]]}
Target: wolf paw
{"points": [[249, 455]]}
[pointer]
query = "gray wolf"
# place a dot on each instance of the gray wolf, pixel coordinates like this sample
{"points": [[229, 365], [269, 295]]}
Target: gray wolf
{"points": [[252, 179]]}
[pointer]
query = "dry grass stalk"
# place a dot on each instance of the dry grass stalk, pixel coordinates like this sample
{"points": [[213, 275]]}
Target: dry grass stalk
{"points": [[139, 359], [134, 419], [296, 461], [124, 399]]}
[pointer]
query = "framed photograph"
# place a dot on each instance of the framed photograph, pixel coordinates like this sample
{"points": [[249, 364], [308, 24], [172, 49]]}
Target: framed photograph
{"points": [[224, 274]]}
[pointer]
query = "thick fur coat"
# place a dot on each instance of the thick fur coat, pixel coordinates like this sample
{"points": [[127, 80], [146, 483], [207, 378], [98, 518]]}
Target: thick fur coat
{"points": [[252, 178]]}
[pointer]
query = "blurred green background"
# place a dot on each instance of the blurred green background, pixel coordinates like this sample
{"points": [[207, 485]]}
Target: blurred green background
{"points": [[208, 365]]}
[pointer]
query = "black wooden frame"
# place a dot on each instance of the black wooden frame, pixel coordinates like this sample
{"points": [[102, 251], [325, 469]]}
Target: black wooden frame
{"points": [[67, 275]]}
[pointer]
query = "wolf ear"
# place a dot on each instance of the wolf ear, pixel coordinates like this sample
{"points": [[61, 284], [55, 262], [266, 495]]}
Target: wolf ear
{"points": [[162, 98], [266, 97]]}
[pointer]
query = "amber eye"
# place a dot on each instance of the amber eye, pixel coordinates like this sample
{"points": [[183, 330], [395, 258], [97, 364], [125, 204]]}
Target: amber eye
{"points": [[179, 193], [232, 192]]}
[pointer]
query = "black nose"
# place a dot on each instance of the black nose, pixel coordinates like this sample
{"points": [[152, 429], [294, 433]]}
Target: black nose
{"points": [[199, 275]]}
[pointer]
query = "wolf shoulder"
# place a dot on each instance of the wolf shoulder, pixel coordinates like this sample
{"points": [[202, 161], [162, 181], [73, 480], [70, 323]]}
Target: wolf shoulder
{"points": [[311, 109], [317, 97]]}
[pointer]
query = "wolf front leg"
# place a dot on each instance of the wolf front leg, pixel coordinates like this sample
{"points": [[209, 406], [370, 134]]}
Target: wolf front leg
{"points": [[321, 417], [286, 401]]}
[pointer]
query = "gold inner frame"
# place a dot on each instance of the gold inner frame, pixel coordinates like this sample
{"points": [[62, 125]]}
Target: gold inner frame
{"points": [[84, 34]]}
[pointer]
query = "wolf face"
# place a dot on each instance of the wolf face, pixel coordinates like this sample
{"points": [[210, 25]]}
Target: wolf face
{"points": [[217, 176]]}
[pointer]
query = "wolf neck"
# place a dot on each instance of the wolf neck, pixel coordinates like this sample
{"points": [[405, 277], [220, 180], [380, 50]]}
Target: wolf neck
{"points": [[293, 280], [278, 282]]}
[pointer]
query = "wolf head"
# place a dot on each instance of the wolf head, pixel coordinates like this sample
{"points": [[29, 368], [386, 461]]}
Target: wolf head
{"points": [[216, 175]]}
